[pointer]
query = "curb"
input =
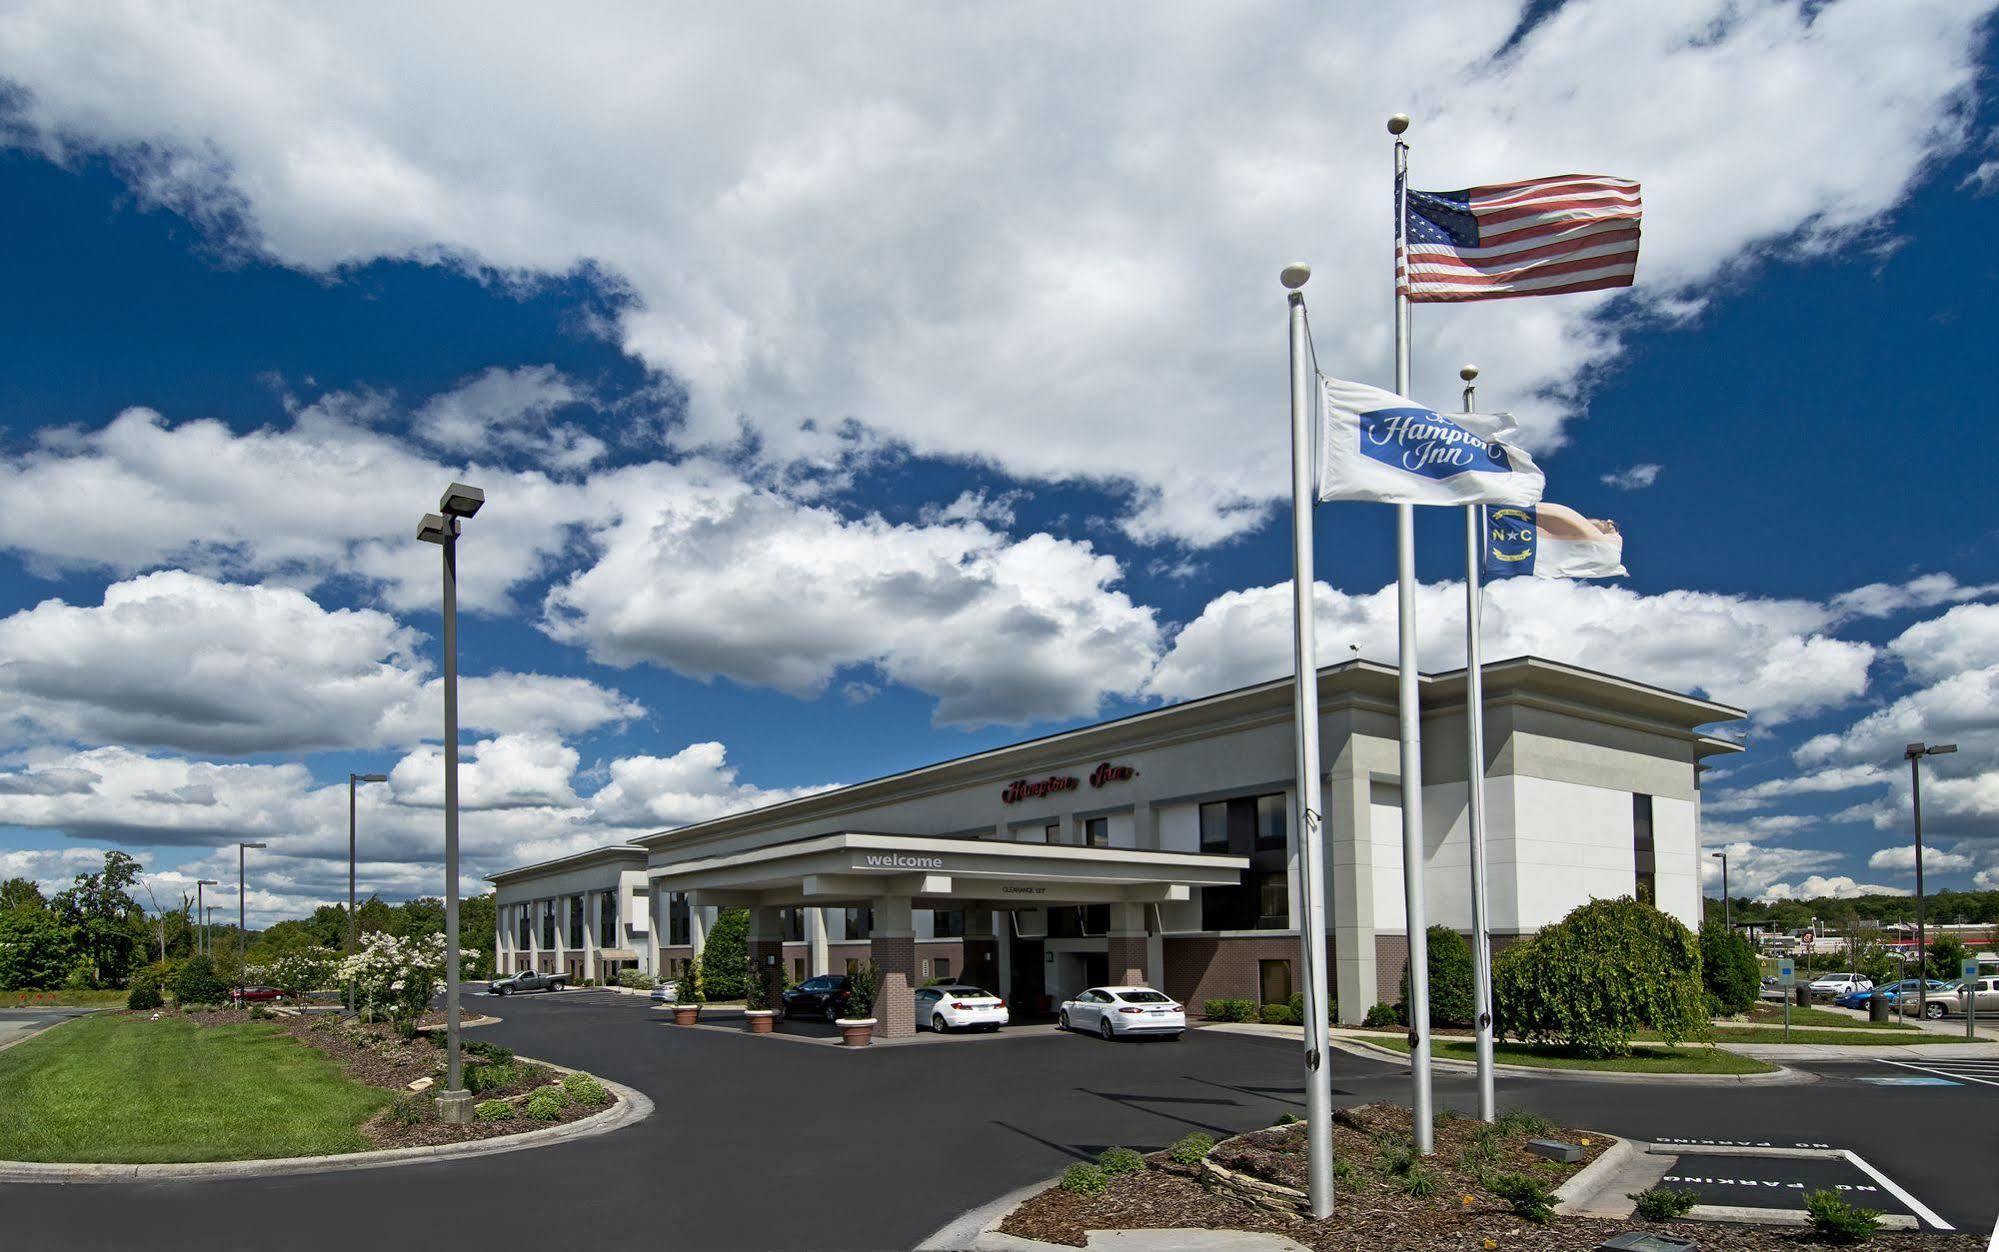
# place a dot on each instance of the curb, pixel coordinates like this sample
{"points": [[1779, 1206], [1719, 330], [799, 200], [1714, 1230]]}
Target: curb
{"points": [[1600, 1189], [979, 1228], [632, 1106]]}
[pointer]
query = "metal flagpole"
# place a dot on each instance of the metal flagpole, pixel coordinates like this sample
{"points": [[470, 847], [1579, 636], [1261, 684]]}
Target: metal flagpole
{"points": [[1481, 938], [1408, 697], [1305, 736]]}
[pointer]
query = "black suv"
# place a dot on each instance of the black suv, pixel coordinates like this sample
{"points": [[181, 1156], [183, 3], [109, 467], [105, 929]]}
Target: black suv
{"points": [[824, 996]]}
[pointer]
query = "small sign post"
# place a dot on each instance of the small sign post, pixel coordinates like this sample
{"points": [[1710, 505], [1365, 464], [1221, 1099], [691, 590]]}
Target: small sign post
{"points": [[1968, 970], [1787, 978]]}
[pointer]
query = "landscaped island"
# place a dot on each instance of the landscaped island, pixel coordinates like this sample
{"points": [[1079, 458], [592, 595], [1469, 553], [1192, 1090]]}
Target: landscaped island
{"points": [[224, 1085]]}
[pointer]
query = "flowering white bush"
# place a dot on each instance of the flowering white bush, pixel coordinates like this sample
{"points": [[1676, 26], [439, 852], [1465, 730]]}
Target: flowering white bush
{"points": [[296, 973], [396, 978]]}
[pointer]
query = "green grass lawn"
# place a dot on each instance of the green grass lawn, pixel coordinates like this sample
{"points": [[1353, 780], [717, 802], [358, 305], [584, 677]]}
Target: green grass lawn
{"points": [[1841, 1038], [118, 1088], [62, 999], [1773, 1015], [1644, 1059]]}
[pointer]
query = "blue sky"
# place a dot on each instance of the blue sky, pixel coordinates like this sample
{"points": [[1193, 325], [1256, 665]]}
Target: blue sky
{"points": [[828, 441]]}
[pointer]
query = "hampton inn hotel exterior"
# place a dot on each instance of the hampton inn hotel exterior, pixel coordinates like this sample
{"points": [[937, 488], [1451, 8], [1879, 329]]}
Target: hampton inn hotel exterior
{"points": [[1161, 848]]}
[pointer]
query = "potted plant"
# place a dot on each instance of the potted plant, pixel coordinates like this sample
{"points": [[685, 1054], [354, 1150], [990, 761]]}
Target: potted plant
{"points": [[757, 1011], [857, 1029], [688, 996]]}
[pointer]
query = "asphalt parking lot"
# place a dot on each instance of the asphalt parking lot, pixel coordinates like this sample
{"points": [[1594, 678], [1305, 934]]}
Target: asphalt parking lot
{"points": [[761, 1144]]}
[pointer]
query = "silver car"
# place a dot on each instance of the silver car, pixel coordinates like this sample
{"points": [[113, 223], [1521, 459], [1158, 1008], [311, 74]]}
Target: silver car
{"points": [[1952, 1001]]}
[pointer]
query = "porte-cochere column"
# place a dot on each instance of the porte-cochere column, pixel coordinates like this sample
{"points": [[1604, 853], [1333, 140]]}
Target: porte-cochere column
{"points": [[893, 949]]}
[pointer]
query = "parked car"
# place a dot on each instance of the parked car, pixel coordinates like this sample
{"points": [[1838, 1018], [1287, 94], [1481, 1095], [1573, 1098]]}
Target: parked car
{"points": [[254, 995], [528, 980], [1839, 984], [1122, 1012], [824, 997], [1891, 992], [1951, 1000], [666, 992], [950, 1007]]}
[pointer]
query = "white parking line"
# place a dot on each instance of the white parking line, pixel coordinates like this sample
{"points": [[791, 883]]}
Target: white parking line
{"points": [[1955, 1071], [1994, 1245], [1914, 1205]]}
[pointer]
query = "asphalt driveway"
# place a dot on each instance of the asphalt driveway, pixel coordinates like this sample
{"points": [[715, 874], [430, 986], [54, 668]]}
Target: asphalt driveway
{"points": [[766, 1144]]}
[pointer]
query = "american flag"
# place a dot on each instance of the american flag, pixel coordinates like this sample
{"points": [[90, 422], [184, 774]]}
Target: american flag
{"points": [[1541, 237]]}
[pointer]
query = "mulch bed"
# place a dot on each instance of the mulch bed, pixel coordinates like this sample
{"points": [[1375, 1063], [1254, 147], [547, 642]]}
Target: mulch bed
{"points": [[377, 1055], [1372, 1211]]}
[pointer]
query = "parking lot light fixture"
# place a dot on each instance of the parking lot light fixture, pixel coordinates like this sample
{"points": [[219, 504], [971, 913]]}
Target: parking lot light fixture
{"points": [[353, 921], [1727, 905], [242, 924], [1915, 753], [201, 914], [441, 528]]}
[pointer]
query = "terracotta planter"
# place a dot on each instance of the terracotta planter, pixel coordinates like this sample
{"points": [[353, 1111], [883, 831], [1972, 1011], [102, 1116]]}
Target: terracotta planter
{"points": [[856, 1032], [761, 1020], [686, 1014]]}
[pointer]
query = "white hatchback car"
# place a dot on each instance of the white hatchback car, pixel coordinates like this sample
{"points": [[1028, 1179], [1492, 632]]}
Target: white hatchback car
{"points": [[1839, 984], [1124, 1012], [959, 1004]]}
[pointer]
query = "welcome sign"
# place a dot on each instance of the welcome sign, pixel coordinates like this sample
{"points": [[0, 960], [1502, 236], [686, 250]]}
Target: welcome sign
{"points": [[1375, 445]]}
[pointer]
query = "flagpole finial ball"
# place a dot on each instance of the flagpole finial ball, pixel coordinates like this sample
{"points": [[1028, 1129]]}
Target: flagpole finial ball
{"points": [[1398, 123], [1295, 275], [1468, 372]]}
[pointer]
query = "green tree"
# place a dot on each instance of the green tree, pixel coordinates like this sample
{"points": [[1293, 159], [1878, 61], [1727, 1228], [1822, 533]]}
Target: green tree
{"points": [[21, 894], [1608, 970], [477, 918], [1946, 953], [98, 912], [1729, 970], [196, 982], [375, 916], [723, 958], [1451, 995], [422, 916], [35, 950]]}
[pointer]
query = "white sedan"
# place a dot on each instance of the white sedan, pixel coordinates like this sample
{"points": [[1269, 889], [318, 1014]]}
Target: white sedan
{"points": [[1120, 1012], [665, 992], [950, 1007]]}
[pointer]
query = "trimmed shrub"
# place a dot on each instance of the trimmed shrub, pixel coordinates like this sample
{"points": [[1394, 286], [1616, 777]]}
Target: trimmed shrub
{"points": [[145, 993], [861, 991], [585, 1090], [726, 957], [408, 1110], [1286, 1119], [1383, 1014], [1663, 1204], [195, 982], [490, 1076], [1281, 1015], [1729, 970], [1837, 1221], [1526, 1194], [637, 980], [486, 1051], [1190, 1149], [1450, 966], [546, 1105], [493, 1111], [1084, 1179], [1115, 1161], [1608, 970]]}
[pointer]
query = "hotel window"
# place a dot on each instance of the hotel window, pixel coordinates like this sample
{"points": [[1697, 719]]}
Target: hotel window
{"points": [[861, 922], [679, 926], [1270, 822], [548, 924], [791, 924], [1078, 921], [947, 924], [523, 928], [607, 921], [1642, 854], [1097, 832], [942, 969], [797, 969], [1051, 833], [575, 921], [1244, 825]]}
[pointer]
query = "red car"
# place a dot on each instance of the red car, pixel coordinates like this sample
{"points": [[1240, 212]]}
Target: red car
{"points": [[251, 995]]}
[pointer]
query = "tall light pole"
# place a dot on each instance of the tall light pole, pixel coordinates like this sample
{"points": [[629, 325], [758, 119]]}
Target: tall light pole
{"points": [[1915, 753], [242, 922], [201, 914], [353, 920], [208, 923], [1727, 905], [441, 528]]}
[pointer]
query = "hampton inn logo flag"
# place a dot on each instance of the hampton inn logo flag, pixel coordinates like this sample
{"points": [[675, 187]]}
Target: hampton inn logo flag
{"points": [[1376, 445]]}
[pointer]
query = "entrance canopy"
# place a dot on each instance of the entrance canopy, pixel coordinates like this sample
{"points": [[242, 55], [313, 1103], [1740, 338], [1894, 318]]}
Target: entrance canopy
{"points": [[855, 868]]}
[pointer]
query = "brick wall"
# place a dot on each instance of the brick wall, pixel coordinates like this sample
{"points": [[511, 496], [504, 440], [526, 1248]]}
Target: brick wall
{"points": [[1205, 967], [895, 1003]]}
